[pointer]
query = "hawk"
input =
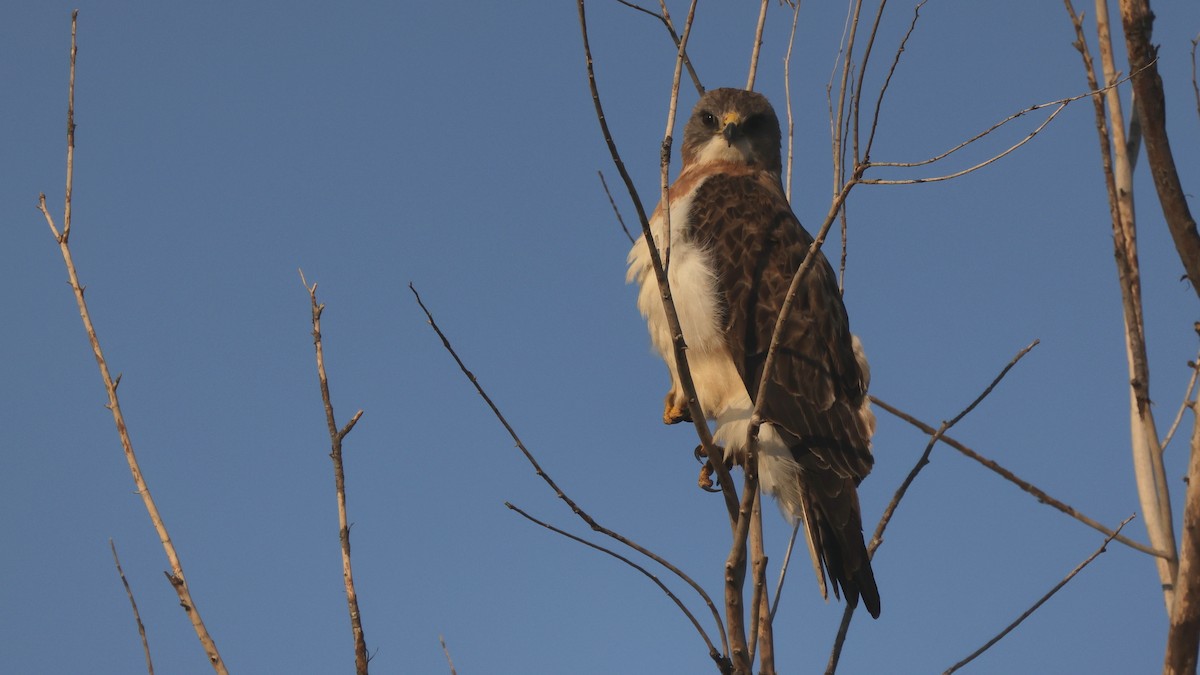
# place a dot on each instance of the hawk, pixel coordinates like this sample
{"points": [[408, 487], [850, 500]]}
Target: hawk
{"points": [[734, 247]]}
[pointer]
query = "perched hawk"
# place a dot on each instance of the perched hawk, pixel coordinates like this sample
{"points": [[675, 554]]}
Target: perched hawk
{"points": [[734, 247]]}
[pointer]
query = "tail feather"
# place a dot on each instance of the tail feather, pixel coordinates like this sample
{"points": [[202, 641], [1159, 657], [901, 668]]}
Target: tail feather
{"points": [[834, 527]]}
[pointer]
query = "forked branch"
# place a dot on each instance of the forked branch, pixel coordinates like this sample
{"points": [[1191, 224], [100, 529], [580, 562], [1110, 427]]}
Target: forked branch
{"points": [[361, 656], [575, 508], [175, 575]]}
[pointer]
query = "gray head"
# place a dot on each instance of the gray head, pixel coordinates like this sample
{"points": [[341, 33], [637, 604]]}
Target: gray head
{"points": [[733, 125]]}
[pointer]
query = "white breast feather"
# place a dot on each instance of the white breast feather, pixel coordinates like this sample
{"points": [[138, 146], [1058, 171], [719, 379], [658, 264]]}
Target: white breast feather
{"points": [[719, 387]]}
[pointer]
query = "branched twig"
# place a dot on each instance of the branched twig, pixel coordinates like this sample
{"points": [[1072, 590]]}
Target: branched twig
{"points": [[1188, 401], [1058, 105], [175, 575], [336, 436], [133, 603], [712, 651], [616, 211], [575, 508], [1041, 601], [1011, 477], [877, 537], [665, 18]]}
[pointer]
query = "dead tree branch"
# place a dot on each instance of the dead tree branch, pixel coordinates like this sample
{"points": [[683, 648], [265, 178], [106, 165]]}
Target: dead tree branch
{"points": [[721, 661], [137, 617], [1183, 636], [685, 374], [758, 42], [1138, 20], [1149, 472], [575, 508], [1011, 477], [1041, 601], [446, 651], [361, 656], [665, 18], [175, 575], [890, 510]]}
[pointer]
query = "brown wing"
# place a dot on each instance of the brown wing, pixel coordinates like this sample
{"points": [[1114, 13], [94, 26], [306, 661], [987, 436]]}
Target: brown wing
{"points": [[815, 391]]}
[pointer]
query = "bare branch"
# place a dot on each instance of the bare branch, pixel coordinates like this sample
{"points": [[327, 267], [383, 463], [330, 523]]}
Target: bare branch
{"points": [[787, 95], [175, 575], [361, 656], [1188, 400], [1183, 635], [685, 374], [721, 661], [616, 211], [575, 508], [1149, 472], [1058, 106], [758, 32], [1041, 601], [1011, 477], [665, 18], [890, 510], [446, 651], [133, 603], [1137, 20]]}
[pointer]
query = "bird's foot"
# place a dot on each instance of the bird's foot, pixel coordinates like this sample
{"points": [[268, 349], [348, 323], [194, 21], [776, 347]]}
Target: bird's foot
{"points": [[706, 480], [675, 409]]}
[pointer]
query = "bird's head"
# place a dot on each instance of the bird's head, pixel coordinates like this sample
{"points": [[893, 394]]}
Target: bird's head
{"points": [[733, 125]]}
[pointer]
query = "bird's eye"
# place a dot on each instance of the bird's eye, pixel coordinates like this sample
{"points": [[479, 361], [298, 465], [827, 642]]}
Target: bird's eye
{"points": [[708, 119]]}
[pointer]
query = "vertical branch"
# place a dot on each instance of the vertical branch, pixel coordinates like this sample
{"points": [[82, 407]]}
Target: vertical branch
{"points": [[1149, 472], [758, 32], [1137, 20], [787, 94], [137, 617], [175, 575], [762, 631], [339, 478], [713, 453], [665, 152], [1183, 636]]}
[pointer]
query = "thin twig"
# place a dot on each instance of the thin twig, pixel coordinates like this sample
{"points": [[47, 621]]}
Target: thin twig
{"points": [[446, 651], [175, 575], [758, 41], [613, 203], [133, 603], [783, 568], [787, 95], [1059, 105], [361, 656], [575, 508], [714, 454], [1011, 477], [1041, 601], [1188, 400], [712, 651], [665, 18], [890, 510]]}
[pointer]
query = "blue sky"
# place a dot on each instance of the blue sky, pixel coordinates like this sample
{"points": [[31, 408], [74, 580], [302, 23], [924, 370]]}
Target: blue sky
{"points": [[220, 149]]}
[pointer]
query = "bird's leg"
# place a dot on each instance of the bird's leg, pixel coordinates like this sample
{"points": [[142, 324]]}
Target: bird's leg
{"points": [[675, 407]]}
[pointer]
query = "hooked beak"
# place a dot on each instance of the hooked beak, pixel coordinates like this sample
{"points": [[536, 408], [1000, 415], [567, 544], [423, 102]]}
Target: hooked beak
{"points": [[731, 127]]}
